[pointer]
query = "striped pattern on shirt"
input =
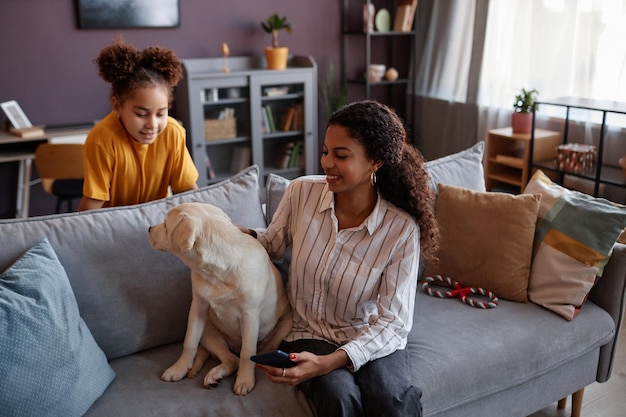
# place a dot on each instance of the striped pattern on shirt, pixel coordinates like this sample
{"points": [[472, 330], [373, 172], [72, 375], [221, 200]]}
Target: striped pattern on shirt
{"points": [[353, 287]]}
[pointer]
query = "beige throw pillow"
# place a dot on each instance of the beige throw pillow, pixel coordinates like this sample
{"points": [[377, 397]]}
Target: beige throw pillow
{"points": [[486, 240]]}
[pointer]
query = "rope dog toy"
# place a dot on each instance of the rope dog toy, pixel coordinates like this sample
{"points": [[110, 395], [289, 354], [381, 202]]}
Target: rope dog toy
{"points": [[458, 291]]}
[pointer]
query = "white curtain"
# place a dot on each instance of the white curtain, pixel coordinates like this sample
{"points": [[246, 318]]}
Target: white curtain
{"points": [[560, 48]]}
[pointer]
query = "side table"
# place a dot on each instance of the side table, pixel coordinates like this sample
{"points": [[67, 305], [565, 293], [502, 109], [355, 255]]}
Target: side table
{"points": [[508, 155]]}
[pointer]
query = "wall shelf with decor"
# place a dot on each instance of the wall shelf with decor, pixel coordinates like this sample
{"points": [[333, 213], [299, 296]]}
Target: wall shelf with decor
{"points": [[386, 39], [249, 115], [600, 173]]}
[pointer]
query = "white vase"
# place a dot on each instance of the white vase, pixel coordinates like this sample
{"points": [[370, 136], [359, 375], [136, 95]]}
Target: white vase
{"points": [[368, 17]]}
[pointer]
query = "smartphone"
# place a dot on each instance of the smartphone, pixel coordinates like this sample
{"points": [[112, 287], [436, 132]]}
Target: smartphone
{"points": [[277, 359]]}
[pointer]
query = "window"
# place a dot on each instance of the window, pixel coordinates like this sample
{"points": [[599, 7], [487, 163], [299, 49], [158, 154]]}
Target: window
{"points": [[559, 47]]}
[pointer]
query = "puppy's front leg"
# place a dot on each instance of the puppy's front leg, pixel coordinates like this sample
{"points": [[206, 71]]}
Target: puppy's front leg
{"points": [[195, 327], [249, 338]]}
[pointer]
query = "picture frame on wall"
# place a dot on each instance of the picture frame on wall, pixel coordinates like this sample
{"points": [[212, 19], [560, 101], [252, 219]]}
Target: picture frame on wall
{"points": [[15, 114], [121, 14]]}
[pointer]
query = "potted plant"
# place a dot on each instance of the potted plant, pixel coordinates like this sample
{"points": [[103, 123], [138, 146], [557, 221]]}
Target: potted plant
{"points": [[276, 56], [522, 118]]}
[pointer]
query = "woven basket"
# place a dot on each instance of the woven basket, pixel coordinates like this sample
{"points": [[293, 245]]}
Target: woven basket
{"points": [[215, 129]]}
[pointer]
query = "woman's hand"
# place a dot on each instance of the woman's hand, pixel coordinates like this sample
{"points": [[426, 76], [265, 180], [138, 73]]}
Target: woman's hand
{"points": [[308, 366]]}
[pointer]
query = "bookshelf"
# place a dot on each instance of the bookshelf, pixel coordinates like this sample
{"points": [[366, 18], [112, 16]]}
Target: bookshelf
{"points": [[249, 115]]}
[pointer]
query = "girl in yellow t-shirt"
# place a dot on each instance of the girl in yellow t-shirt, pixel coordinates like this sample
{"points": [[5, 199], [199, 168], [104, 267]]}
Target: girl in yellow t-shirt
{"points": [[137, 151]]}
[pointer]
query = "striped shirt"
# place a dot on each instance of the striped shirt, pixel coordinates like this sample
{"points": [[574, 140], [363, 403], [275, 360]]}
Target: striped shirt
{"points": [[353, 287]]}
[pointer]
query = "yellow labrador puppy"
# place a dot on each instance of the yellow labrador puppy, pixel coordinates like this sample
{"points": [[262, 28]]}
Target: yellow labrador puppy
{"points": [[239, 303]]}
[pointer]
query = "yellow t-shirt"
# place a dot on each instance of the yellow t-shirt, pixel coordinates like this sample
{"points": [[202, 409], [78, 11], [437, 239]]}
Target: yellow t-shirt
{"points": [[121, 171]]}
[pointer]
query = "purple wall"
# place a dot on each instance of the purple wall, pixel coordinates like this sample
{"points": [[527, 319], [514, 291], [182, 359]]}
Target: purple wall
{"points": [[47, 61]]}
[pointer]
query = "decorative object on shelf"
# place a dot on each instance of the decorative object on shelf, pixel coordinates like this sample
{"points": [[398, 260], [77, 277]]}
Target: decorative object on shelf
{"points": [[383, 20], [522, 117], [226, 53], [622, 163], [369, 11], [375, 72], [576, 157], [276, 56], [391, 74]]}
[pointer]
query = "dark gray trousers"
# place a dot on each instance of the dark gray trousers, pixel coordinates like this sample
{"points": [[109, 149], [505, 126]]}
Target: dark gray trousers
{"points": [[379, 388]]}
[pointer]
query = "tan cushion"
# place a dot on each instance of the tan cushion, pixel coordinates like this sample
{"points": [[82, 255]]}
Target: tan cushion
{"points": [[486, 240]]}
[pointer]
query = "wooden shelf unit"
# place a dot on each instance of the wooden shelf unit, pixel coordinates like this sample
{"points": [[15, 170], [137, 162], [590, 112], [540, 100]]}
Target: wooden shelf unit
{"points": [[508, 155]]}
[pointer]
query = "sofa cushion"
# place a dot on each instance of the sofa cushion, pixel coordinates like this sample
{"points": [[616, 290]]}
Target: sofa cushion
{"points": [[486, 240], [50, 363], [119, 280], [149, 396], [573, 242], [463, 169], [275, 187]]}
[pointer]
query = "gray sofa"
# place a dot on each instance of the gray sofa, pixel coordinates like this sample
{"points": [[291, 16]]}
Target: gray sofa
{"points": [[512, 360]]}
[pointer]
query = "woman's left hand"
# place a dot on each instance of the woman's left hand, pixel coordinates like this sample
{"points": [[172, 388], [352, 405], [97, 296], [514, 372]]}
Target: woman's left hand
{"points": [[308, 365]]}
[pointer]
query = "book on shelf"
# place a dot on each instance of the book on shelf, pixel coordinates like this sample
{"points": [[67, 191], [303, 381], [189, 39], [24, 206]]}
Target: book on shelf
{"points": [[27, 132], [298, 117], [294, 158], [265, 123], [275, 91], [286, 120], [240, 158], [270, 118], [282, 154], [405, 14]]}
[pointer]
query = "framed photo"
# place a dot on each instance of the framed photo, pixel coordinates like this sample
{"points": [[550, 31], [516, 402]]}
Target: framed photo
{"points": [[120, 14], [15, 114]]}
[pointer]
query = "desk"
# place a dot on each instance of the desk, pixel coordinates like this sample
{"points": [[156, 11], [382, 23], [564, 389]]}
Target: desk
{"points": [[13, 148]]}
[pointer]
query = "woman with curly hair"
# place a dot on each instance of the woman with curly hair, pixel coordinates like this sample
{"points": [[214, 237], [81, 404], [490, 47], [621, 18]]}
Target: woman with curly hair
{"points": [[137, 151], [357, 235]]}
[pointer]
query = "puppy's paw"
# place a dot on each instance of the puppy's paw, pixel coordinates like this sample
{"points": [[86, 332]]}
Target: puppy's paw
{"points": [[174, 373], [243, 385], [216, 374]]}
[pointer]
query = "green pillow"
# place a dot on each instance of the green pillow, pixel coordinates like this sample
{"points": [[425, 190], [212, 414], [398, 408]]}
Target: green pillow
{"points": [[49, 362], [574, 238]]}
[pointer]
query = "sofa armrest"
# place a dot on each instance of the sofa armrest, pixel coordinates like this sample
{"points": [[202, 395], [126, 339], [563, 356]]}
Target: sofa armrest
{"points": [[609, 293]]}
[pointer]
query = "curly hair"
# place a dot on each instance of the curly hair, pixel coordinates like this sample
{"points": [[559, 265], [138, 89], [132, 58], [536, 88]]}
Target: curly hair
{"points": [[402, 178], [128, 68]]}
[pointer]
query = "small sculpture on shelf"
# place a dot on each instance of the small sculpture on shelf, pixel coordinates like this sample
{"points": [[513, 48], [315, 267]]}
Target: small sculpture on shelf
{"points": [[226, 53]]}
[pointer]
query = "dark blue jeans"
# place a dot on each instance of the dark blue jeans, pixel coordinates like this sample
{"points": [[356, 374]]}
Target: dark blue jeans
{"points": [[379, 388]]}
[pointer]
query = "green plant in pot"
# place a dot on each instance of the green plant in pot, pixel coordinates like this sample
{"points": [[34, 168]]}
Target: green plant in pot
{"points": [[276, 56], [522, 118]]}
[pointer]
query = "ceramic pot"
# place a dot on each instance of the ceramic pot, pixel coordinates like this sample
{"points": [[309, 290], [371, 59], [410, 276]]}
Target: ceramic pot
{"points": [[522, 122], [276, 58]]}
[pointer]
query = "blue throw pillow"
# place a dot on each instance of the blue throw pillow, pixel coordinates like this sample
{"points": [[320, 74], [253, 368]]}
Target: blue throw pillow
{"points": [[49, 362]]}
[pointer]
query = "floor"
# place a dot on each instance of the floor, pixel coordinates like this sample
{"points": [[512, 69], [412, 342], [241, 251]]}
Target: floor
{"points": [[601, 400]]}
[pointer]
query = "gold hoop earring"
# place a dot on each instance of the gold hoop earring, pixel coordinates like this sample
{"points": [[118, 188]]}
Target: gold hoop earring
{"points": [[373, 178]]}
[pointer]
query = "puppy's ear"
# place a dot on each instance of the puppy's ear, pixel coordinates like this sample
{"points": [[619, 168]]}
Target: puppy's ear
{"points": [[183, 236]]}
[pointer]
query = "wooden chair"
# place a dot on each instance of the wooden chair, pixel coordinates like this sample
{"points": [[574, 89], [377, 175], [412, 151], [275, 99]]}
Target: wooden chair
{"points": [[60, 167]]}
